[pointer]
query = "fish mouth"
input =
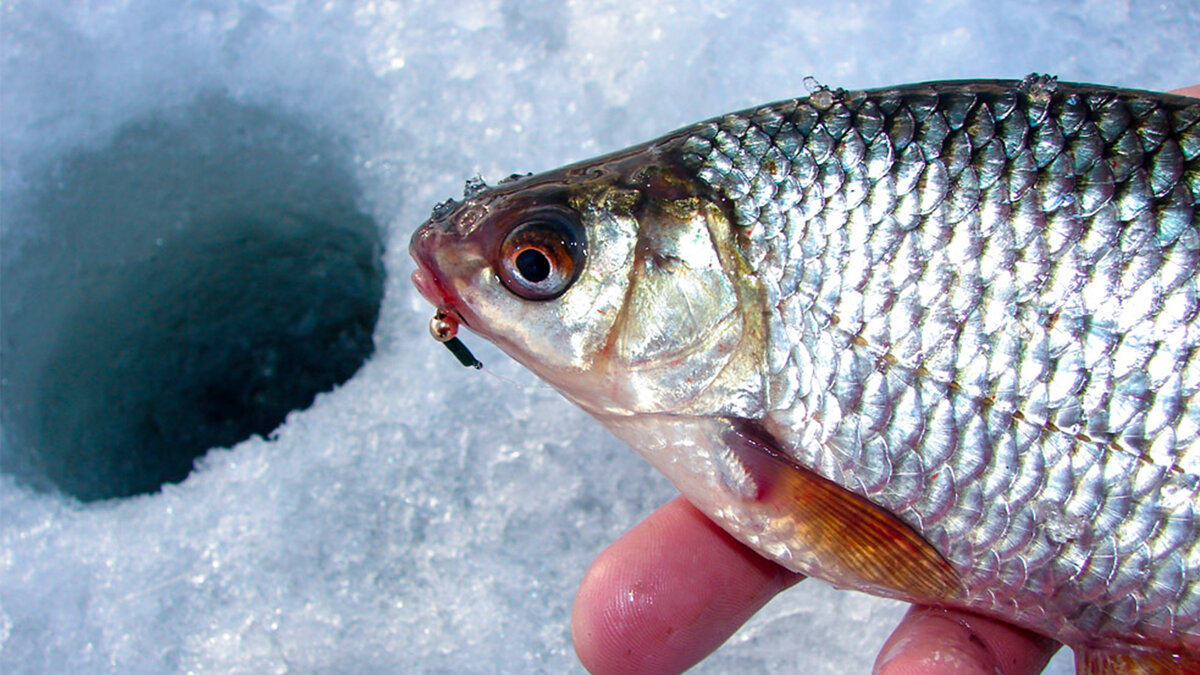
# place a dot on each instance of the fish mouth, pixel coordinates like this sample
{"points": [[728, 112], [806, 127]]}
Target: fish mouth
{"points": [[427, 284], [426, 278]]}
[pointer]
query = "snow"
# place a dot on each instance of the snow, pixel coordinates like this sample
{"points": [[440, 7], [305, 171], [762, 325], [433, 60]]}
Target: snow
{"points": [[420, 517]]}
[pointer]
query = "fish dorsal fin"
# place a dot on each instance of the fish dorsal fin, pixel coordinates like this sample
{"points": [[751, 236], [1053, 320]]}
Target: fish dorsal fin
{"points": [[838, 535], [1108, 662]]}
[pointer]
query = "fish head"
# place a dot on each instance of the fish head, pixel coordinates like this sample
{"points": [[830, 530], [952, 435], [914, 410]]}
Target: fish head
{"points": [[624, 286], [613, 280]]}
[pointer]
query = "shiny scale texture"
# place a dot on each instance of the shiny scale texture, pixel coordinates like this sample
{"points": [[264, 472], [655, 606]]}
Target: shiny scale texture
{"points": [[982, 305]]}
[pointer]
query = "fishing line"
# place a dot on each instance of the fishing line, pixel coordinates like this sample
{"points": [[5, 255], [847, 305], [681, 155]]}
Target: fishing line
{"points": [[518, 385], [444, 328]]}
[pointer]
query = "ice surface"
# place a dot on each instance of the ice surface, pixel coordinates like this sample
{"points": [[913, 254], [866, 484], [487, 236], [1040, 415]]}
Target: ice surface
{"points": [[424, 517]]}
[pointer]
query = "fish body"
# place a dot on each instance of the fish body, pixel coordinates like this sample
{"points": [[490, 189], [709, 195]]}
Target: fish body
{"points": [[937, 342]]}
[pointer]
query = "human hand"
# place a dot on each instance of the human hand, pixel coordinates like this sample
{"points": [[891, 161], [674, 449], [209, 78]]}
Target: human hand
{"points": [[672, 589]]}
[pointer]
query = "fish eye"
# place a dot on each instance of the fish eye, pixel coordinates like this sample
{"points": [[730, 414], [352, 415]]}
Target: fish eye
{"points": [[541, 257]]}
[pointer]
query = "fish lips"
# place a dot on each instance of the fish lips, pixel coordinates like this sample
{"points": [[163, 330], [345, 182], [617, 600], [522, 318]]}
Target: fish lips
{"points": [[427, 277], [426, 281]]}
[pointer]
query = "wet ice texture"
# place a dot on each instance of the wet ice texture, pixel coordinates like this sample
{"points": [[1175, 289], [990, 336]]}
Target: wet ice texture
{"points": [[422, 516]]}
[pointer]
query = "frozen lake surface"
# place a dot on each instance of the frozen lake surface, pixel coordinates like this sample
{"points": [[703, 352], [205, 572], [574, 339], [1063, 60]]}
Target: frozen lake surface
{"points": [[205, 210]]}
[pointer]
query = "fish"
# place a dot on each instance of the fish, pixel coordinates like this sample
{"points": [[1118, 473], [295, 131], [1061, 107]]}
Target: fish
{"points": [[936, 342]]}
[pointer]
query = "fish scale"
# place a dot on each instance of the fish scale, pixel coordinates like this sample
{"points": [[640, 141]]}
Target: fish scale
{"points": [[1008, 274]]}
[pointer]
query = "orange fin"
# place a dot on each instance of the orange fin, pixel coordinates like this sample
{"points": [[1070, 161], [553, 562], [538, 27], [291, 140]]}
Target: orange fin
{"points": [[1109, 662], [846, 539]]}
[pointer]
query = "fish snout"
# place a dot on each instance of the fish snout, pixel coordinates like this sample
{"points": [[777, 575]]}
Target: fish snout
{"points": [[423, 248]]}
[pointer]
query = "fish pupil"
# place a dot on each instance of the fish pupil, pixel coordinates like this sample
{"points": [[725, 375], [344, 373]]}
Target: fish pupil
{"points": [[533, 265]]}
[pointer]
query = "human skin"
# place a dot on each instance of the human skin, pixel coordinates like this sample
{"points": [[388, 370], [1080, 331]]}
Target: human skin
{"points": [[672, 589]]}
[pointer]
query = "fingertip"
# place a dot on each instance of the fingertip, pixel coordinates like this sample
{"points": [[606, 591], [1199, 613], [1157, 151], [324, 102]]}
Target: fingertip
{"points": [[667, 593], [604, 622], [933, 641]]}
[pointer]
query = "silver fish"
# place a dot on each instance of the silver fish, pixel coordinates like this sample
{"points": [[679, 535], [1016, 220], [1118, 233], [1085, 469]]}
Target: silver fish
{"points": [[937, 342]]}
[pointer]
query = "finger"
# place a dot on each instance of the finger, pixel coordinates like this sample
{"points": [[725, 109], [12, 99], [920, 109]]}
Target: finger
{"points": [[931, 641], [1193, 91], [667, 593]]}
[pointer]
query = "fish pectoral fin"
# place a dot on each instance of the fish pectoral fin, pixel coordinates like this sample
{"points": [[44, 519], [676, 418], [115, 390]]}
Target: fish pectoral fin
{"points": [[843, 537], [1111, 662]]}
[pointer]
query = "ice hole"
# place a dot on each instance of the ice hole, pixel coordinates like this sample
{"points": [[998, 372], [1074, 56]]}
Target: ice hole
{"points": [[182, 286]]}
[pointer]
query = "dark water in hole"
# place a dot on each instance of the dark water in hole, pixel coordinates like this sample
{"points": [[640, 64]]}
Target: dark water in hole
{"points": [[187, 286]]}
